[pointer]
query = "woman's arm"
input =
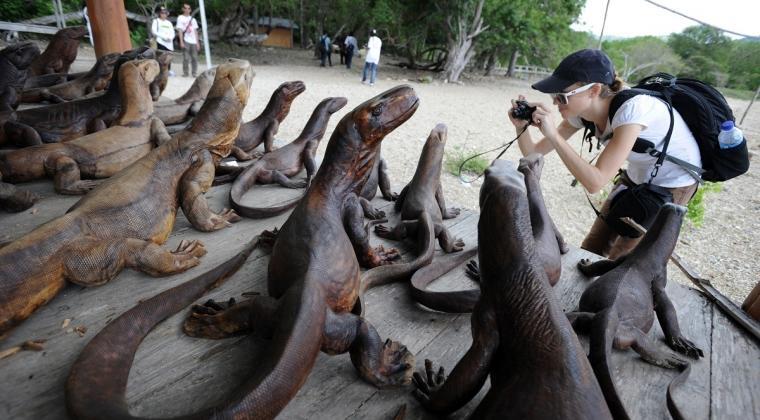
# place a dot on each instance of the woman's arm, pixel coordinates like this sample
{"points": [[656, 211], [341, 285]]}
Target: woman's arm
{"points": [[592, 177]]}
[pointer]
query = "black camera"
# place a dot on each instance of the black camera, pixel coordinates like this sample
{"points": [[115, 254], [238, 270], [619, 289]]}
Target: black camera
{"points": [[523, 111]]}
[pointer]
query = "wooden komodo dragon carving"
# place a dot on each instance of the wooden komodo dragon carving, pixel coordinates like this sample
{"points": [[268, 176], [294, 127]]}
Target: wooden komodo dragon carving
{"points": [[164, 59], [14, 62], [94, 80], [263, 128], [520, 337], [99, 155], [618, 308], [281, 164], [187, 105], [123, 222], [549, 247], [378, 178], [60, 52], [425, 194], [313, 285], [68, 120]]}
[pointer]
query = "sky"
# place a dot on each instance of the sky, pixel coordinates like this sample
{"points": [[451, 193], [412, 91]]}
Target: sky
{"points": [[629, 18]]}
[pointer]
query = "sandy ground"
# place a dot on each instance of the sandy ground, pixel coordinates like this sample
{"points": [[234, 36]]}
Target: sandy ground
{"points": [[725, 249]]}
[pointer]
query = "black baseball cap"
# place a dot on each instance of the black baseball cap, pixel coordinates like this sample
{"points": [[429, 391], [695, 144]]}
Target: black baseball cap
{"points": [[581, 66]]}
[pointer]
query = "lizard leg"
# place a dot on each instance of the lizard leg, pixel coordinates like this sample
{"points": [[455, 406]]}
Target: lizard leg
{"points": [[666, 315], [384, 181], [353, 221], [370, 212], [240, 154], [380, 363], [446, 213], [221, 320], [93, 261], [286, 182], [67, 178], [448, 243], [51, 97], [14, 199], [194, 183], [21, 134], [398, 233], [472, 271], [269, 134], [597, 268], [647, 349], [96, 125]]}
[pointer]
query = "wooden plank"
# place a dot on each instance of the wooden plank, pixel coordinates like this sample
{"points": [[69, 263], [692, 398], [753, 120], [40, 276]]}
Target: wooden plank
{"points": [[27, 27], [736, 371]]}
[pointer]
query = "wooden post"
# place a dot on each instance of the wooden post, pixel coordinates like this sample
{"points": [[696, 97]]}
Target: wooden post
{"points": [[109, 26]]}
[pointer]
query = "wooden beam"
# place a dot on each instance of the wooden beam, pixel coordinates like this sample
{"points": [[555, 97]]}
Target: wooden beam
{"points": [[26, 27], [109, 26]]}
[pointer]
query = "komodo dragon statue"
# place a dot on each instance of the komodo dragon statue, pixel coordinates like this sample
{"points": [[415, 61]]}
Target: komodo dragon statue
{"points": [[281, 164], [99, 155], [164, 59], [313, 280], [549, 247], [47, 80], [60, 52], [263, 128], [520, 336], [424, 194], [68, 120], [14, 61], [618, 308], [94, 80], [378, 177], [187, 105], [123, 221]]}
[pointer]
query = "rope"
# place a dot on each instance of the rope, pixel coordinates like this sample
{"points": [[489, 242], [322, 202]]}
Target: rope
{"points": [[604, 23], [698, 21], [505, 146]]}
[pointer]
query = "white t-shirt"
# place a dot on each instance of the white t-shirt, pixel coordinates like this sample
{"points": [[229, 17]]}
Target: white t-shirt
{"points": [[373, 50], [163, 30], [188, 34], [652, 114]]}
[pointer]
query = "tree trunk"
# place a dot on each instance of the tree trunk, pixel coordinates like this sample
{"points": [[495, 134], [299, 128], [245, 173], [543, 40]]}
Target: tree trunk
{"points": [[301, 21], [491, 62], [461, 43], [513, 63]]}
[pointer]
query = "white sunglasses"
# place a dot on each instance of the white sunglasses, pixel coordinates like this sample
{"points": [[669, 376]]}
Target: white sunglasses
{"points": [[564, 97]]}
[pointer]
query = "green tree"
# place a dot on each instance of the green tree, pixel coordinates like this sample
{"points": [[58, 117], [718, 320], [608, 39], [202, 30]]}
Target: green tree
{"points": [[638, 57]]}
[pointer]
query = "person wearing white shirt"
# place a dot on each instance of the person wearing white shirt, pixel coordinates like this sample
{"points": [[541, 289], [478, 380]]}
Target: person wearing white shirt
{"points": [[373, 58], [163, 30], [582, 87], [187, 28]]}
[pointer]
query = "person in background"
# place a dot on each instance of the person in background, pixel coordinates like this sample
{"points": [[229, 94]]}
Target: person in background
{"points": [[162, 30], [351, 47], [325, 47], [187, 28], [373, 58]]}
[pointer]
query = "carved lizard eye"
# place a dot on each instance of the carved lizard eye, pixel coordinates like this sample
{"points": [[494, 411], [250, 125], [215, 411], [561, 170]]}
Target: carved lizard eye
{"points": [[378, 110]]}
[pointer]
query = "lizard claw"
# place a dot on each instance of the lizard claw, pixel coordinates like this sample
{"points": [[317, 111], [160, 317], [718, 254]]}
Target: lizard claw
{"points": [[193, 248], [429, 383], [382, 231], [394, 367], [685, 346], [374, 214], [472, 270], [268, 237]]}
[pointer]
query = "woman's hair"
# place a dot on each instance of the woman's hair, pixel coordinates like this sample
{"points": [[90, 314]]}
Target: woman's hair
{"points": [[610, 90]]}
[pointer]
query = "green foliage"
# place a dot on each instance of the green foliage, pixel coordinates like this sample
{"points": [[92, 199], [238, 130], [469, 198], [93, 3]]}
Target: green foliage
{"points": [[696, 207], [17, 10], [744, 65], [454, 159], [638, 57], [138, 35]]}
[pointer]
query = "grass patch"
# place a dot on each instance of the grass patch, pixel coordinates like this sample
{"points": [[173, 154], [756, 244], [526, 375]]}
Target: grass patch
{"points": [[696, 207], [472, 167]]}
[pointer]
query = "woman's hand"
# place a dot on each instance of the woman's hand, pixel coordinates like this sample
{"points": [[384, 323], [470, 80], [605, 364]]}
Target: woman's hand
{"points": [[517, 122], [542, 118]]}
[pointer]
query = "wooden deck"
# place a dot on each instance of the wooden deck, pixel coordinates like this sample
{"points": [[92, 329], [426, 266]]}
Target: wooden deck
{"points": [[174, 374]]}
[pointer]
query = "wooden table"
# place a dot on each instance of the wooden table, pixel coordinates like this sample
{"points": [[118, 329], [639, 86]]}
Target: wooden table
{"points": [[174, 374]]}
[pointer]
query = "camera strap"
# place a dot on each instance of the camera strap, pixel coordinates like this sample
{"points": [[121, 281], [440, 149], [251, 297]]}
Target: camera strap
{"points": [[505, 146]]}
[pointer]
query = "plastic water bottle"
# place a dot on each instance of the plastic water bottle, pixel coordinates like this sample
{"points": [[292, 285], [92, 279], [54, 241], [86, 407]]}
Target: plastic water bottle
{"points": [[730, 136]]}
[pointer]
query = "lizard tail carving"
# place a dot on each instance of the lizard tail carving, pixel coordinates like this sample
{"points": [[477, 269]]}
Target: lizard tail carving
{"points": [[603, 329], [243, 183], [97, 383]]}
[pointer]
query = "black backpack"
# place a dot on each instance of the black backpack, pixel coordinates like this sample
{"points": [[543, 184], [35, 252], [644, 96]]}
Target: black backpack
{"points": [[703, 109]]}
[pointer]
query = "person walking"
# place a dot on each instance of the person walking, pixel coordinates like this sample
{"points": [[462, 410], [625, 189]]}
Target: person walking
{"points": [[325, 47], [373, 58], [187, 28], [351, 47], [582, 87], [162, 30]]}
